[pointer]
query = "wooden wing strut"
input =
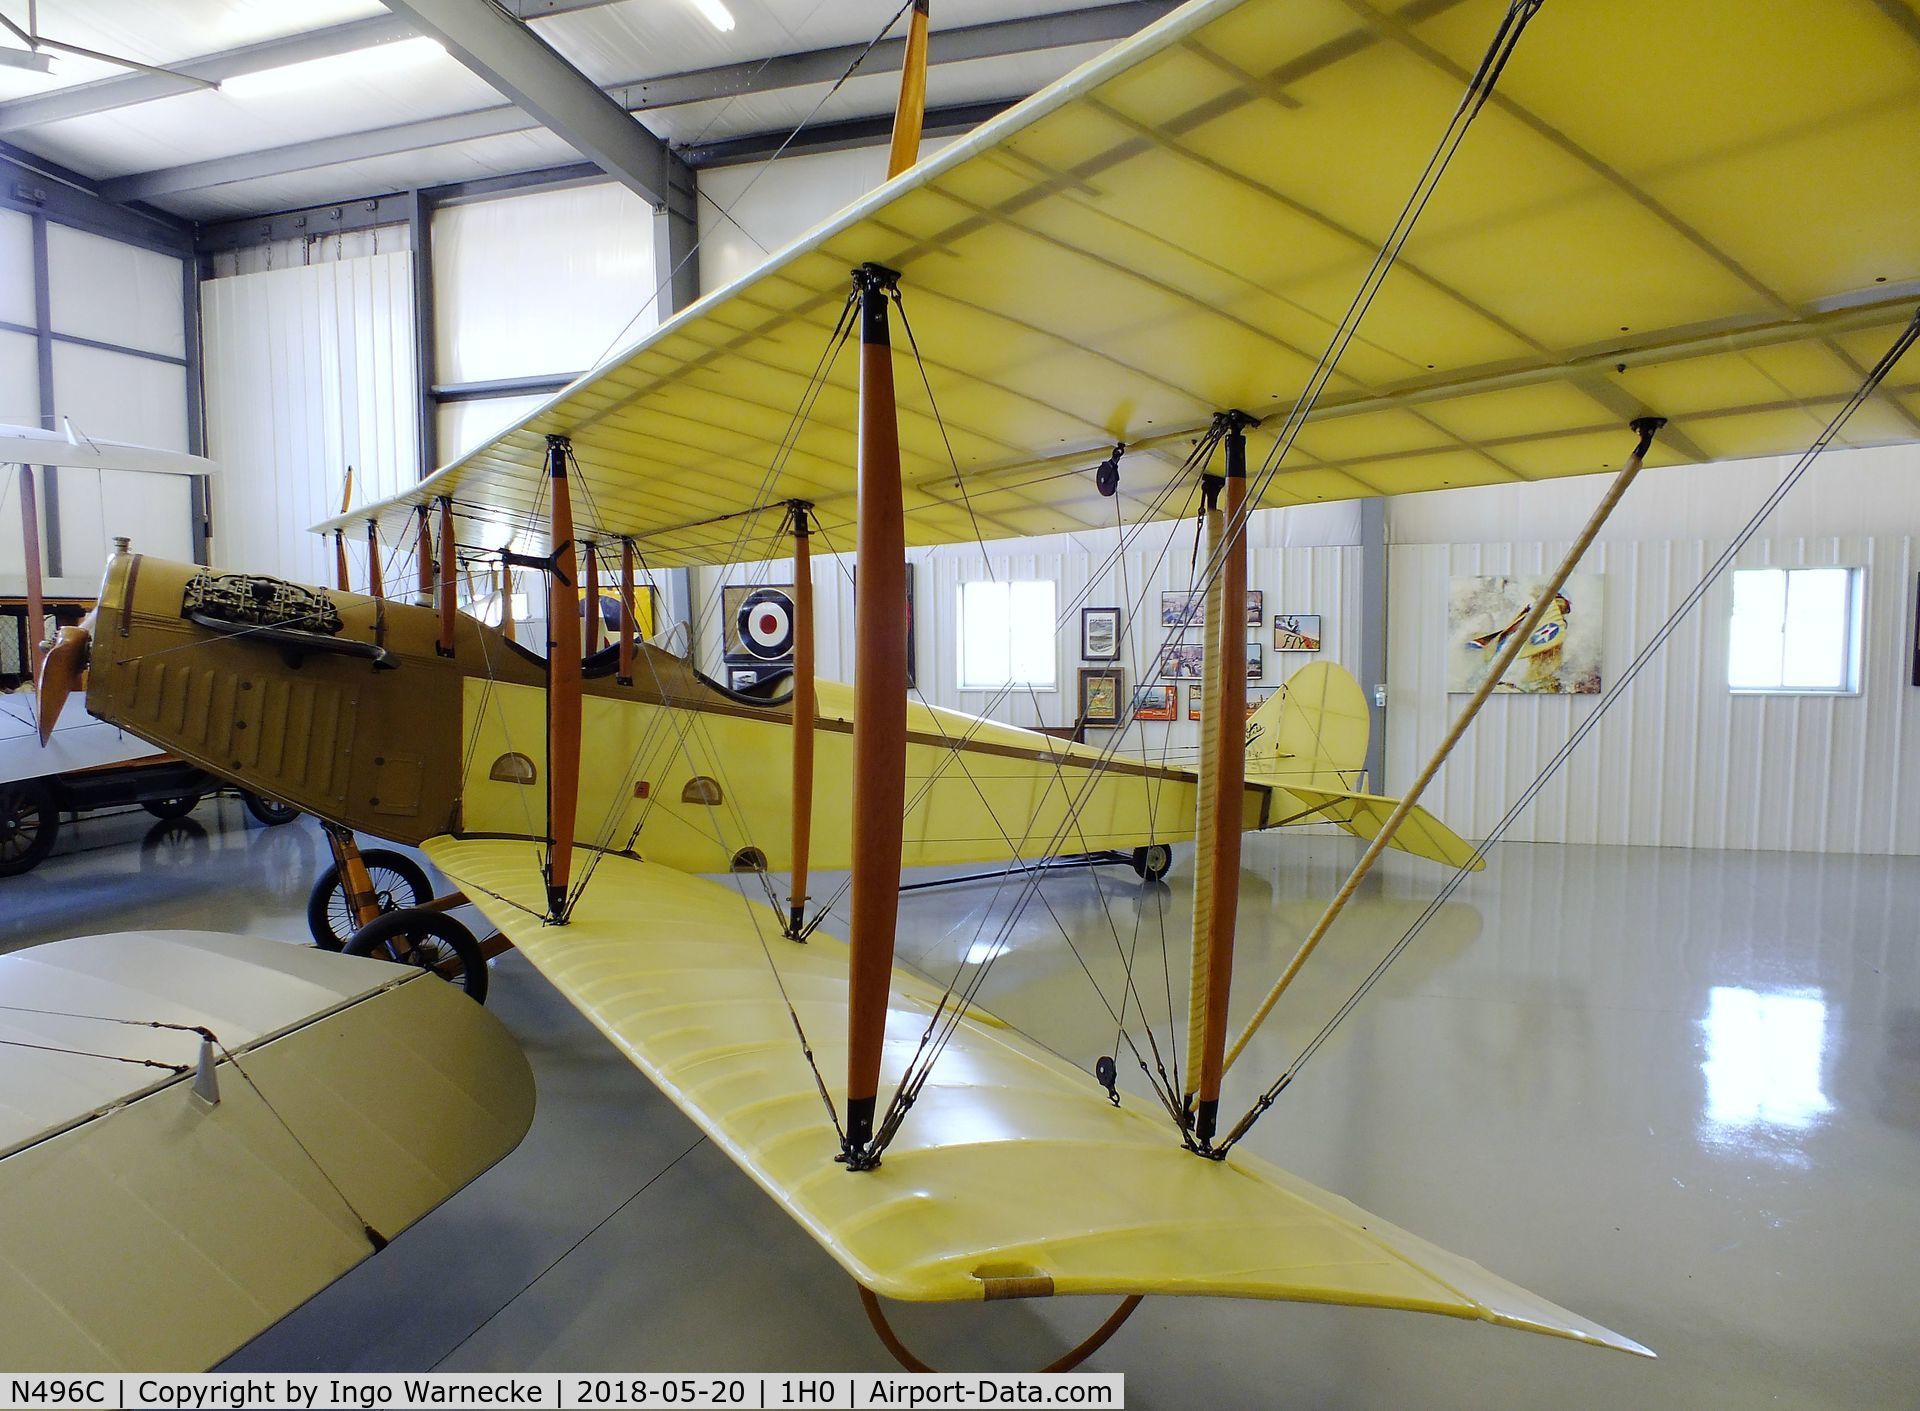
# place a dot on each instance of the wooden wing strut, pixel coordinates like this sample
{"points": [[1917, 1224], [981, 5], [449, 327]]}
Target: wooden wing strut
{"points": [[879, 715], [803, 713], [563, 686]]}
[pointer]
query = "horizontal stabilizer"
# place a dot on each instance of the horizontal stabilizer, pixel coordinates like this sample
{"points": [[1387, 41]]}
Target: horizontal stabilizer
{"points": [[985, 1192], [1364, 815], [146, 1228]]}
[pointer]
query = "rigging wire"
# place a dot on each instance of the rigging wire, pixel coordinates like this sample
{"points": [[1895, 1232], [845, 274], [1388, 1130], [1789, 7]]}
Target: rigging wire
{"points": [[1717, 569]]}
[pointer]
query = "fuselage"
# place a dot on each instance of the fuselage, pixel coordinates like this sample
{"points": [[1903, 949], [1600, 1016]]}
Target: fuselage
{"points": [[673, 767]]}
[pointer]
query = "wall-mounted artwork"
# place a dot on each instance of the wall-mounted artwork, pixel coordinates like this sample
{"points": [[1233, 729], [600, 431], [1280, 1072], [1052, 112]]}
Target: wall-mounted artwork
{"points": [[1561, 656], [763, 612], [1193, 701], [1256, 699], [1181, 661], [1183, 609], [1100, 696], [1155, 702], [1256, 662], [1296, 631], [1100, 634], [1190, 609]]}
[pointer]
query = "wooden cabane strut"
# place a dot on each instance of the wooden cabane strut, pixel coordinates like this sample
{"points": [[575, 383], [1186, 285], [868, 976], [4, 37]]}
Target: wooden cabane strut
{"points": [[375, 588], [563, 686], [340, 579], [803, 715], [879, 717], [628, 617], [423, 557], [448, 565], [1223, 769], [590, 601], [36, 591]]}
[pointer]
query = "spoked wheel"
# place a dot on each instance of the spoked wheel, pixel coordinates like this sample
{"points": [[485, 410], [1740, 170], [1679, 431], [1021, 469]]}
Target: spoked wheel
{"points": [[269, 811], [430, 940], [398, 882], [1153, 861], [29, 823], [172, 808]]}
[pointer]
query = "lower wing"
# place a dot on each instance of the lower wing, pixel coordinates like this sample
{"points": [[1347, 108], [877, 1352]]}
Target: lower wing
{"points": [[156, 1217], [990, 1188]]}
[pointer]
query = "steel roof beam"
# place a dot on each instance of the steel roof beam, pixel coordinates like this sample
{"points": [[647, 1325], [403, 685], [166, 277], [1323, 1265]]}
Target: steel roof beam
{"points": [[997, 39], [103, 95], [525, 68]]}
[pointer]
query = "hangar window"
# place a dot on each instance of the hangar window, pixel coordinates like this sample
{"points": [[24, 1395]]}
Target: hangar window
{"points": [[1795, 630], [1007, 635]]}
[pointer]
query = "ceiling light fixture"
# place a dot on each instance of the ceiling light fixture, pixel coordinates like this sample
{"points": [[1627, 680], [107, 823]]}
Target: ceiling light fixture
{"points": [[716, 14], [372, 61]]}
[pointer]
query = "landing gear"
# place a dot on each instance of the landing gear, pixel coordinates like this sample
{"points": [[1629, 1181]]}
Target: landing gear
{"points": [[29, 823], [431, 940], [268, 811], [398, 883], [1153, 861], [177, 807]]}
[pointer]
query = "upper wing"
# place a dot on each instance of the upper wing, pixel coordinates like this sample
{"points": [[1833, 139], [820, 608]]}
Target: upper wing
{"points": [[142, 1228], [1175, 228], [986, 1188]]}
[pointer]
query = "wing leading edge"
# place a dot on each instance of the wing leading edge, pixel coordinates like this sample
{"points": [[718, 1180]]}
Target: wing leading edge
{"points": [[985, 1186]]}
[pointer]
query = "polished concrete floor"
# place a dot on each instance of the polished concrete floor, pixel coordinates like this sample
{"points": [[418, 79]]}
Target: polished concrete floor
{"points": [[1678, 1092]]}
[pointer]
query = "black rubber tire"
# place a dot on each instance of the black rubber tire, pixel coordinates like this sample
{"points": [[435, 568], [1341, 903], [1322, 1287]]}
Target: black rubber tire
{"points": [[398, 881], [29, 825], [1153, 861], [172, 808], [268, 811], [431, 940]]}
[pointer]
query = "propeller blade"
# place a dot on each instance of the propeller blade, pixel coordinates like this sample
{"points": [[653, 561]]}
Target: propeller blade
{"points": [[63, 670]]}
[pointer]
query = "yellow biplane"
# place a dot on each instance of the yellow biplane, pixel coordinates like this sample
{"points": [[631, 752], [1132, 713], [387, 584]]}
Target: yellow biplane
{"points": [[1199, 244]]}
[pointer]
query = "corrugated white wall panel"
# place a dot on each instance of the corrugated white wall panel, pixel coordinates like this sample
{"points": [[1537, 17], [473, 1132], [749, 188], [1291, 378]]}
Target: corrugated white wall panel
{"points": [[540, 283], [1322, 578], [309, 370], [1680, 761]]}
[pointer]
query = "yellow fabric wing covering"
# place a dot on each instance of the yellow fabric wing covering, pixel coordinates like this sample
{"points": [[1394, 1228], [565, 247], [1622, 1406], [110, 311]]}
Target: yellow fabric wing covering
{"points": [[987, 1185], [1702, 210], [1421, 833], [142, 1228]]}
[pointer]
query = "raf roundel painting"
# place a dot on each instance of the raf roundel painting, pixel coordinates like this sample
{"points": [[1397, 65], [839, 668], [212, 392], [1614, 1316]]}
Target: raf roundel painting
{"points": [[1561, 656]]}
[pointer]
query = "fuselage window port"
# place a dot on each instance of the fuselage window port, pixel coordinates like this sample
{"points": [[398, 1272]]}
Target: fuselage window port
{"points": [[701, 789], [513, 768]]}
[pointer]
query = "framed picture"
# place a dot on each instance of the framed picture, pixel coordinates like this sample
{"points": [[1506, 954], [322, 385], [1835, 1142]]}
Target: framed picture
{"points": [[1560, 658], [768, 609], [1181, 661], [1256, 659], [1193, 701], [1155, 702], [1190, 609], [1296, 631], [1100, 634], [1183, 609], [1099, 696]]}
